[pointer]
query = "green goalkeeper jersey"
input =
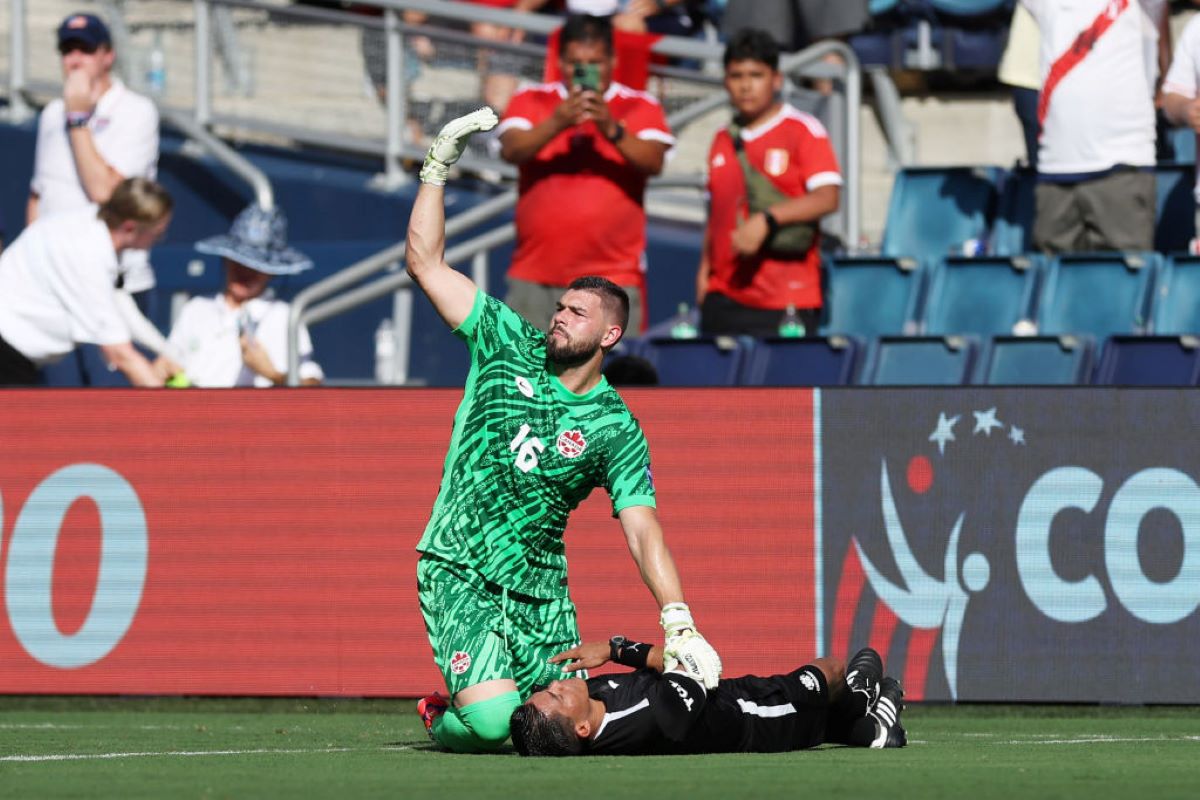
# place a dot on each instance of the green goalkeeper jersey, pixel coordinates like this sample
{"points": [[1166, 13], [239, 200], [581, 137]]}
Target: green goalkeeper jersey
{"points": [[525, 452]]}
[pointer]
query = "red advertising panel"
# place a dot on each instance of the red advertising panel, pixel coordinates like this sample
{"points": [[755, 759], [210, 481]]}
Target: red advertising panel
{"points": [[250, 542]]}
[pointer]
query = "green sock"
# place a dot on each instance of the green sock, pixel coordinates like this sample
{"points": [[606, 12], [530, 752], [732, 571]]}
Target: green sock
{"points": [[477, 728]]}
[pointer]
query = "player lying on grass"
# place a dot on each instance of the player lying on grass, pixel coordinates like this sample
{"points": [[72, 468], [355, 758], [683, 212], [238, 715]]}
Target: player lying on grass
{"points": [[654, 712]]}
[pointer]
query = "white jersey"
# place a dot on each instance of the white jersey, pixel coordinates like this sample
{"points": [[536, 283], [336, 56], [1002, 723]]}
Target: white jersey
{"points": [[207, 337], [1184, 75], [57, 287], [1101, 112], [125, 129]]}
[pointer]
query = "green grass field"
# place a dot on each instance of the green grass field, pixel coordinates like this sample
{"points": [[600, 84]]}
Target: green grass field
{"points": [[345, 749]]}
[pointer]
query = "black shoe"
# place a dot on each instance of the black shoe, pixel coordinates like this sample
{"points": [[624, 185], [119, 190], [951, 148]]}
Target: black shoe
{"points": [[863, 674], [887, 715]]}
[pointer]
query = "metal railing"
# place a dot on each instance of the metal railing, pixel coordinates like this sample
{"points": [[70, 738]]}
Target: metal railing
{"points": [[691, 96]]}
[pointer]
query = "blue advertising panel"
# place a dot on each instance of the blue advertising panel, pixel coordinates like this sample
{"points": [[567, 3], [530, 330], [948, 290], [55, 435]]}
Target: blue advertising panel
{"points": [[1015, 544]]}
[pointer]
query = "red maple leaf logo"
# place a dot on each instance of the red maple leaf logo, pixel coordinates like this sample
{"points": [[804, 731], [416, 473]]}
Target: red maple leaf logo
{"points": [[571, 443]]}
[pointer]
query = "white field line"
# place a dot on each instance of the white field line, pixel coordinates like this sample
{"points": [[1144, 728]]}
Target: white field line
{"points": [[187, 753], [1102, 740]]}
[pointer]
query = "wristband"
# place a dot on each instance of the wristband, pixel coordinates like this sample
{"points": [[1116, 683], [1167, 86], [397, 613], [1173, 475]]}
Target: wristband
{"points": [[628, 653], [619, 135], [78, 119], [772, 224]]}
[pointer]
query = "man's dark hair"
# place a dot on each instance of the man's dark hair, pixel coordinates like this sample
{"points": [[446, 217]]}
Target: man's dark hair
{"points": [[585, 28], [751, 44], [616, 300], [536, 734]]}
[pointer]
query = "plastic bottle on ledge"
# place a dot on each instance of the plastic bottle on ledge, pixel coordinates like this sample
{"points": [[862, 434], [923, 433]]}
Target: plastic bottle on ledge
{"points": [[682, 327], [385, 353], [791, 326], [156, 70]]}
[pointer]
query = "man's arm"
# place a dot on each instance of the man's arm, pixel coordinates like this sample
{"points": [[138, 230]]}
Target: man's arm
{"points": [[750, 236], [31, 208], [645, 155], [705, 267], [644, 536], [591, 655], [1182, 110], [451, 292], [126, 358], [685, 646], [520, 145], [95, 174]]}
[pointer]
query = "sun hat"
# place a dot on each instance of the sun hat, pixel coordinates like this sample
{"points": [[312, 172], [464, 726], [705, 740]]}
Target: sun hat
{"points": [[258, 240]]}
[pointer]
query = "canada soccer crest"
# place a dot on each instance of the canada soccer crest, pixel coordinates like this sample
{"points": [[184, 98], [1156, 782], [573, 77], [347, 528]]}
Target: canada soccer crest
{"points": [[776, 162], [571, 444], [460, 662]]}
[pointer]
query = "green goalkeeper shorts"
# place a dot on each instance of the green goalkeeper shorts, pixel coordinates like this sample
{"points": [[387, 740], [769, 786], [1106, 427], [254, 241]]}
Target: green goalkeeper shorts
{"points": [[480, 631]]}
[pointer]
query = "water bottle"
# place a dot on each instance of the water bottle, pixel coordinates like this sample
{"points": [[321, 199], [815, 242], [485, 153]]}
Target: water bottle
{"points": [[791, 326], [385, 353], [156, 71], [682, 327]]}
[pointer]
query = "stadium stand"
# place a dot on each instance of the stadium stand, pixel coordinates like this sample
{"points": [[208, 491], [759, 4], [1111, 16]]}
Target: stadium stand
{"points": [[919, 361], [872, 296], [1149, 361], [1099, 294], [1177, 296], [1035, 361], [934, 34], [1012, 228], [812, 361], [985, 296], [696, 362], [1175, 214], [938, 210]]}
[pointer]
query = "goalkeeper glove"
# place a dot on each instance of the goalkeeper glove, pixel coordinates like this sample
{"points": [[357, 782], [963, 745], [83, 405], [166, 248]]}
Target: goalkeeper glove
{"points": [[450, 143], [686, 648]]}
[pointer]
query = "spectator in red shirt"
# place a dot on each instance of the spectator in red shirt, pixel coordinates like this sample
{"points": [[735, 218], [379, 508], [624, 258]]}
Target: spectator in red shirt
{"points": [[743, 285], [585, 145]]}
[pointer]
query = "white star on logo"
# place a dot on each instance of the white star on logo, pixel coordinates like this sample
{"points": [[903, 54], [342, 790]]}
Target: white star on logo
{"points": [[986, 420], [944, 432], [1016, 435]]}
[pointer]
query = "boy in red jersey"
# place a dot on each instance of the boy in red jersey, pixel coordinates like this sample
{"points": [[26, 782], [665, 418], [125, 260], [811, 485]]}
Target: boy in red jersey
{"points": [[745, 281]]}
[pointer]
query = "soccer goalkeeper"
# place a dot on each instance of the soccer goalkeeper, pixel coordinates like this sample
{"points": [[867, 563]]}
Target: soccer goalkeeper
{"points": [[538, 428], [656, 712]]}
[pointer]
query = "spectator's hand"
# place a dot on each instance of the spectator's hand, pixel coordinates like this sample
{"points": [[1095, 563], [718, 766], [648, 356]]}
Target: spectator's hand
{"points": [[256, 358], [595, 109], [570, 111], [166, 368], [629, 22], [642, 8], [80, 94], [750, 235], [584, 656], [1193, 115]]}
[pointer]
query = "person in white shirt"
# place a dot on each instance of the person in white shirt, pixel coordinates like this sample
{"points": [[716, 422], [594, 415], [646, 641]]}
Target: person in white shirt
{"points": [[239, 337], [57, 285], [1181, 91], [1096, 109], [89, 140]]}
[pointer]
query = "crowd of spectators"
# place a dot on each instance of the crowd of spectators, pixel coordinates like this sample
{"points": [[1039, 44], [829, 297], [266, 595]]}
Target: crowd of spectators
{"points": [[1087, 78]]}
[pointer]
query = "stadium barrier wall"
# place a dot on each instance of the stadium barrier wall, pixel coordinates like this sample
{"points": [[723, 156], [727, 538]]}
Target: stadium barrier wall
{"points": [[993, 544]]}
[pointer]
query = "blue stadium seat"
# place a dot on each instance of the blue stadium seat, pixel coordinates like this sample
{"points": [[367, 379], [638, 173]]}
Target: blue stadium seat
{"points": [[935, 210], [810, 361], [985, 296], [971, 8], [704, 361], [1182, 145], [1012, 229], [919, 361], [1177, 296], [1150, 361], [1035, 361], [1099, 294], [1175, 214], [871, 296]]}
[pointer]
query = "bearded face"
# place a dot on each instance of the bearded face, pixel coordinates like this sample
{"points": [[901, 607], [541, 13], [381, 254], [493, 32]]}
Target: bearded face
{"points": [[566, 350]]}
